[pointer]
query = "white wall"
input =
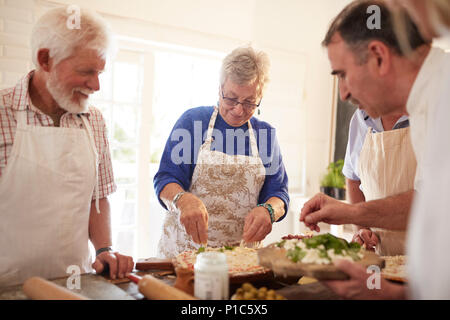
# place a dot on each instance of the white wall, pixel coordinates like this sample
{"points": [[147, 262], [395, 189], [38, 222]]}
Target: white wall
{"points": [[16, 22], [299, 98]]}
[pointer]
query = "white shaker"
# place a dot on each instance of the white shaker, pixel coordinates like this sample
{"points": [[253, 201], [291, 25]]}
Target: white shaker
{"points": [[211, 280]]}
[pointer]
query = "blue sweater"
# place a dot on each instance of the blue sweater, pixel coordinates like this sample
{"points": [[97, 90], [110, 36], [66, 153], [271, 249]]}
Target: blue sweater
{"points": [[189, 133]]}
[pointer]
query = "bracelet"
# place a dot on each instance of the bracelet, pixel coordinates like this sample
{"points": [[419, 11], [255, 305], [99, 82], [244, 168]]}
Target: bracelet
{"points": [[176, 198], [269, 208], [102, 250]]}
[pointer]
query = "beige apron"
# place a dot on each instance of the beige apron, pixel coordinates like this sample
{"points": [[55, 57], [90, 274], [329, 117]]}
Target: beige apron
{"points": [[387, 166], [45, 198], [228, 185]]}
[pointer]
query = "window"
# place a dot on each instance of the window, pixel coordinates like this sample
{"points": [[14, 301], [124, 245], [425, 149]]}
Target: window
{"points": [[143, 92]]}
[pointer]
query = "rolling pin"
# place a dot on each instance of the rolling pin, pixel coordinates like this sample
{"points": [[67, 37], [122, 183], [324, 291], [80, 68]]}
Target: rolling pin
{"points": [[37, 288], [155, 289]]}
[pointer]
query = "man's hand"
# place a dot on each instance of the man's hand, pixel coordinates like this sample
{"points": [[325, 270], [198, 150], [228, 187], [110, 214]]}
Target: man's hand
{"points": [[322, 208], [257, 225], [357, 288], [119, 265], [194, 217], [367, 237]]}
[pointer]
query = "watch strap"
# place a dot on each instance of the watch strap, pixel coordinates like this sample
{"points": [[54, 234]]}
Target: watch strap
{"points": [[102, 250], [269, 208]]}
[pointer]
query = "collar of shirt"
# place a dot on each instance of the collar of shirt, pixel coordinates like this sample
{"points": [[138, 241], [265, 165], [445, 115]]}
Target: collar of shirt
{"points": [[21, 98], [377, 125]]}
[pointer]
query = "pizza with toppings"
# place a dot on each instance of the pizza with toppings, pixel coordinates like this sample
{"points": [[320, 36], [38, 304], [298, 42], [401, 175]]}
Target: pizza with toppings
{"points": [[240, 260], [320, 249], [314, 257]]}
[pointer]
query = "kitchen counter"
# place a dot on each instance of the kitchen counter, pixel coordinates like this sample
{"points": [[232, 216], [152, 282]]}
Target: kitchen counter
{"points": [[99, 287]]}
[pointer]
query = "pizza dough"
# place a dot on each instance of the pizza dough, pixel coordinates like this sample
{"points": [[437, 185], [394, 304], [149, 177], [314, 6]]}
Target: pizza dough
{"points": [[395, 268], [240, 260]]}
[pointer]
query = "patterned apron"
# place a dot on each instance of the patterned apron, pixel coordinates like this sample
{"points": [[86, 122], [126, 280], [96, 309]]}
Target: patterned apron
{"points": [[387, 167], [228, 185]]}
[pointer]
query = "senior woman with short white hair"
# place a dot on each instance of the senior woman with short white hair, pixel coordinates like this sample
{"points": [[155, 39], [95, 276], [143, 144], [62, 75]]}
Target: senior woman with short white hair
{"points": [[225, 181]]}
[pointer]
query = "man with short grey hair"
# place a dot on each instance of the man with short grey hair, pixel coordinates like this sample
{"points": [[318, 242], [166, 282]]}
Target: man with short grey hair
{"points": [[378, 77]]}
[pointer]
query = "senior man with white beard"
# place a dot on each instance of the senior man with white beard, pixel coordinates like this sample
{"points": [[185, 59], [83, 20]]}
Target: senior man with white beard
{"points": [[55, 165]]}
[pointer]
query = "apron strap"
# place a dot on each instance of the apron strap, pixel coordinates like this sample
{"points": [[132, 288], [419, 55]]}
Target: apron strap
{"points": [[253, 144], [251, 134], [94, 149], [212, 121]]}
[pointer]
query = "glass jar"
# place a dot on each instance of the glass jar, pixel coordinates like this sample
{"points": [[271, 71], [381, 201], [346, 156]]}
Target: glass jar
{"points": [[211, 280]]}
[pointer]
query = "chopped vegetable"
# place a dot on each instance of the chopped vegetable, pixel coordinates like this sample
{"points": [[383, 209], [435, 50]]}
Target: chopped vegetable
{"points": [[201, 249], [281, 243], [321, 249], [296, 254]]}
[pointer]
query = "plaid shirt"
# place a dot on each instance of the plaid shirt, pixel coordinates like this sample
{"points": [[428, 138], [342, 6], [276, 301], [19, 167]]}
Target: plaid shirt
{"points": [[17, 99]]}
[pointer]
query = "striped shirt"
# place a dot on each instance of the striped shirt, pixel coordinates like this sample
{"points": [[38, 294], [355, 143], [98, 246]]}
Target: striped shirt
{"points": [[17, 99]]}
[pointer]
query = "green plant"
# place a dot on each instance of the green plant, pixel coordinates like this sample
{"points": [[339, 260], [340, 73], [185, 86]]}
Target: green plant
{"points": [[334, 177]]}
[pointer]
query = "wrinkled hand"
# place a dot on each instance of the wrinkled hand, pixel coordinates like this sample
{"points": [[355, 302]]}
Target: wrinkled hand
{"points": [[257, 225], [367, 237], [322, 208], [119, 265], [194, 217], [357, 287]]}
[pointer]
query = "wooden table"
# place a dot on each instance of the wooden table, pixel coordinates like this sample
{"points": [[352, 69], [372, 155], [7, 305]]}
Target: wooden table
{"points": [[99, 287]]}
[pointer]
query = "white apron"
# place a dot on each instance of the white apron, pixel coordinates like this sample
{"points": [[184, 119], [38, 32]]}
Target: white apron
{"points": [[387, 167], [45, 198], [228, 185]]}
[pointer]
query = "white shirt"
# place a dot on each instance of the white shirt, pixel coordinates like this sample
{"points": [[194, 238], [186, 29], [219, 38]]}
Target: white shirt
{"points": [[429, 225], [422, 100]]}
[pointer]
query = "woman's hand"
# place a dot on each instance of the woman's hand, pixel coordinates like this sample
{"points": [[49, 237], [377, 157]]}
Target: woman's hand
{"points": [[257, 225], [366, 237], [194, 217]]}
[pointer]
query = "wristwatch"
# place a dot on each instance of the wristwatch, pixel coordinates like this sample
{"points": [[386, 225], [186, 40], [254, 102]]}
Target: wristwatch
{"points": [[269, 208], [102, 250]]}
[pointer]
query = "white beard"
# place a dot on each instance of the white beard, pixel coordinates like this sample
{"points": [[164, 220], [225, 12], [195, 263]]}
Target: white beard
{"points": [[63, 99]]}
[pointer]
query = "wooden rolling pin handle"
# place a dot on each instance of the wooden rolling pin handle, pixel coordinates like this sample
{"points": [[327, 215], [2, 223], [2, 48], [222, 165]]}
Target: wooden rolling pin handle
{"points": [[37, 288], [155, 289], [134, 278]]}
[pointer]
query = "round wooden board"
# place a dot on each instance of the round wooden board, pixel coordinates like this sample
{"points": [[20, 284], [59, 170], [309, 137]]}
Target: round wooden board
{"points": [[274, 258], [394, 278], [241, 277]]}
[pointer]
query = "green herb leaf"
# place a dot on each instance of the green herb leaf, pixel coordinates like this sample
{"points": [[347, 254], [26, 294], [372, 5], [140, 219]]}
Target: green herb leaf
{"points": [[200, 250], [281, 243], [296, 254]]}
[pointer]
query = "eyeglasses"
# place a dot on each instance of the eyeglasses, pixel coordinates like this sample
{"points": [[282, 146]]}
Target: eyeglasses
{"points": [[234, 102]]}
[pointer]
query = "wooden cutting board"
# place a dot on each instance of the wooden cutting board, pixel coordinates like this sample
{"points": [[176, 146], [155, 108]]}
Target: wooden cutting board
{"points": [[154, 264], [274, 258]]}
